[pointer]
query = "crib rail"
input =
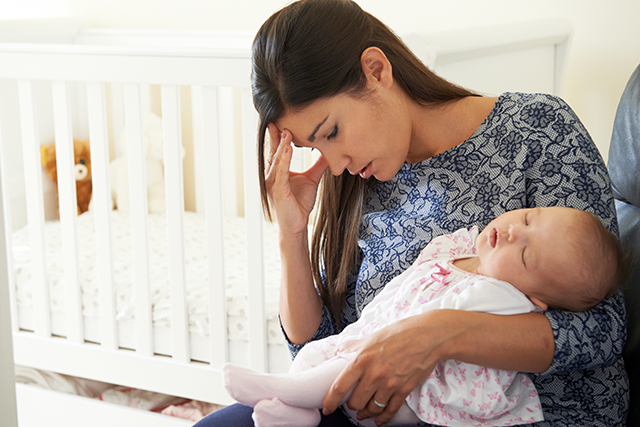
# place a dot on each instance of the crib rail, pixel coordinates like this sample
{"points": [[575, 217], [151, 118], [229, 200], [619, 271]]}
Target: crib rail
{"points": [[206, 67], [208, 73]]}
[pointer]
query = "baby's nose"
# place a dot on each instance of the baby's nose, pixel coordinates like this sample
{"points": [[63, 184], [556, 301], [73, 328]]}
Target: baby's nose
{"points": [[514, 233]]}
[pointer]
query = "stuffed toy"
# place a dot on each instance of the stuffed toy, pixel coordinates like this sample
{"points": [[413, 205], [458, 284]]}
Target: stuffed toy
{"points": [[154, 165], [82, 170]]}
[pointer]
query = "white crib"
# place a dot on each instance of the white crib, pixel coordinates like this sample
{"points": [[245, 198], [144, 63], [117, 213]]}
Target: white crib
{"points": [[93, 85]]}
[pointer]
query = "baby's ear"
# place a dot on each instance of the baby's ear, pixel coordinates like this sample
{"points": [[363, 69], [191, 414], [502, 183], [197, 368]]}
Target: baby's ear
{"points": [[543, 306]]}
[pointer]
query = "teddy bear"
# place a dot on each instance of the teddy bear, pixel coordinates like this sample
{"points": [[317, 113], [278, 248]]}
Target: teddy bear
{"points": [[154, 165], [82, 170]]}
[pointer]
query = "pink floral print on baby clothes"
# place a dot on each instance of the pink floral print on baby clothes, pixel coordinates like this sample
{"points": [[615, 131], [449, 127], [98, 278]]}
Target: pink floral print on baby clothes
{"points": [[456, 393]]}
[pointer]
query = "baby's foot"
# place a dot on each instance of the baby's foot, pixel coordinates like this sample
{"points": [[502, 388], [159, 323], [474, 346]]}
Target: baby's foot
{"points": [[245, 385], [274, 413]]}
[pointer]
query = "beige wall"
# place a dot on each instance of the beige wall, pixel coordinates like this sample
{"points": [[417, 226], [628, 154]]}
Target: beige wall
{"points": [[604, 52]]}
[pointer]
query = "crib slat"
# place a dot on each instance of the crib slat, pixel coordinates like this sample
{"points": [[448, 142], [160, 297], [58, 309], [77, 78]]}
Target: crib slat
{"points": [[196, 129], [101, 200], [35, 207], [227, 104], [138, 205], [226, 120], [65, 159], [175, 220], [6, 203], [145, 97], [255, 251], [117, 114], [211, 164]]}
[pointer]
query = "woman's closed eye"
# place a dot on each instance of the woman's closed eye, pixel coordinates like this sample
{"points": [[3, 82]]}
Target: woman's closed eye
{"points": [[334, 133]]}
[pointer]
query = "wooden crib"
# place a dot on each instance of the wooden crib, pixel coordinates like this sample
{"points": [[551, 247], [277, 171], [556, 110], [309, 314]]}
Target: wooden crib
{"points": [[98, 84]]}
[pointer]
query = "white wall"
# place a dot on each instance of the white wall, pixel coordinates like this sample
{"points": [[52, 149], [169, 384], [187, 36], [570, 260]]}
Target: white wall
{"points": [[604, 52]]}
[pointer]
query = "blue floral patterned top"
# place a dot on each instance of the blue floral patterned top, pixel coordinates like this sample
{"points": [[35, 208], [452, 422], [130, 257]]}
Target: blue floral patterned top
{"points": [[532, 150]]}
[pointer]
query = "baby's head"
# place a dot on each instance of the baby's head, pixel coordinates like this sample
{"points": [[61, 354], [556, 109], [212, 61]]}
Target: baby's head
{"points": [[559, 257]]}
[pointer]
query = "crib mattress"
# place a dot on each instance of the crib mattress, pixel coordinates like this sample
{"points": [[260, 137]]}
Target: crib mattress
{"points": [[196, 272]]}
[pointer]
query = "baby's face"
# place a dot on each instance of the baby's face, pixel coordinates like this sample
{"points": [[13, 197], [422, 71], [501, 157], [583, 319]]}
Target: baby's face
{"points": [[528, 248]]}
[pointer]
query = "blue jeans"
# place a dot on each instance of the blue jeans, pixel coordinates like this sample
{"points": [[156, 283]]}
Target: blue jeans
{"points": [[239, 415]]}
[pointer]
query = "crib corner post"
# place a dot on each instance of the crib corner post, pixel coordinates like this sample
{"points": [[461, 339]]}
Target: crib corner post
{"points": [[8, 407]]}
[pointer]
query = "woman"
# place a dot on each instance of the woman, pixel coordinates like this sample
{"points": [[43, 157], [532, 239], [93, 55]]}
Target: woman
{"points": [[407, 156]]}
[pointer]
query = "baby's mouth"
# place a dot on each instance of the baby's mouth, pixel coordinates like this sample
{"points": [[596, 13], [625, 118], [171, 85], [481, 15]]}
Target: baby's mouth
{"points": [[493, 237]]}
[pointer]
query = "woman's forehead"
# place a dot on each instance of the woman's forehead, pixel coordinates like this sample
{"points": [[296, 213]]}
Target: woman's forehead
{"points": [[305, 122], [313, 108]]}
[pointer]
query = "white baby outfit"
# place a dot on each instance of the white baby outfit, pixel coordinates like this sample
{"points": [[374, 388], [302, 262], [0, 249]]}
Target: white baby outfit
{"points": [[456, 393]]}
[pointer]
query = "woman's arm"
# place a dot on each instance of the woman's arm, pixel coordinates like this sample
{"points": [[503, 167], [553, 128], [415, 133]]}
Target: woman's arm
{"points": [[395, 360], [292, 197], [300, 305], [588, 340]]}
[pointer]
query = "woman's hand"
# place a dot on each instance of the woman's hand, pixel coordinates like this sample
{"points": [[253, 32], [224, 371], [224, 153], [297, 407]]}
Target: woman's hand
{"points": [[291, 195], [392, 362], [388, 365]]}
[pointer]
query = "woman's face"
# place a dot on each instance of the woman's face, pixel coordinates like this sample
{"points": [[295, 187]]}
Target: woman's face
{"points": [[367, 135]]}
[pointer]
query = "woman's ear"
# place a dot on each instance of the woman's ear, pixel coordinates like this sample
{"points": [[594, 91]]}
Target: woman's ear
{"points": [[376, 67]]}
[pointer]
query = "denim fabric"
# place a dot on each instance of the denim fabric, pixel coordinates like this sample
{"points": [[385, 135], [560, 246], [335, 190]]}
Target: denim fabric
{"points": [[240, 416]]}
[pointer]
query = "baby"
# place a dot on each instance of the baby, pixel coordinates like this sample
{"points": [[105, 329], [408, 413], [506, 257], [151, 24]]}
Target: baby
{"points": [[524, 260]]}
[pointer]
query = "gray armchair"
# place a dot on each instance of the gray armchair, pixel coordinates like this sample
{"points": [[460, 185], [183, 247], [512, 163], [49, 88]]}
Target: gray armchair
{"points": [[624, 168]]}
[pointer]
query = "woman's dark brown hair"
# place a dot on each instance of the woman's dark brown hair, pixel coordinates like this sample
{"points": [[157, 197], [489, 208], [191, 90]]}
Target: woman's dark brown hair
{"points": [[310, 50]]}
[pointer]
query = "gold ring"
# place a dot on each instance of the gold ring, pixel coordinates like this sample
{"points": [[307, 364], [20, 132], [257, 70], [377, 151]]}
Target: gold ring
{"points": [[378, 404]]}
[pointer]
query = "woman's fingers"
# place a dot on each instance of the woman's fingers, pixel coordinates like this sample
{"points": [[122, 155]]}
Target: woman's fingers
{"points": [[275, 135], [369, 398], [383, 408], [340, 388], [274, 139], [393, 406], [355, 376], [292, 195], [378, 403], [278, 166], [386, 367], [380, 397], [273, 157]]}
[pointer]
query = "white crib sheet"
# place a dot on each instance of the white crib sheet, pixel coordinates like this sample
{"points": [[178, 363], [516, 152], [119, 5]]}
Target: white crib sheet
{"points": [[195, 267]]}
